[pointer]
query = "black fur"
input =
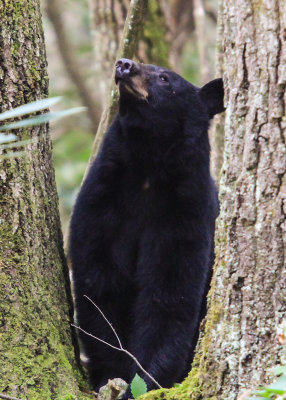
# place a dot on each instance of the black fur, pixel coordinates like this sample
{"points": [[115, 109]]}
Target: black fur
{"points": [[142, 230]]}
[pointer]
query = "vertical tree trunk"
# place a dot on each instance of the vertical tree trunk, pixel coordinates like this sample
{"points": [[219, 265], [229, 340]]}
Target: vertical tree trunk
{"points": [[217, 129], [127, 47], [108, 21], [248, 293], [36, 346], [247, 299]]}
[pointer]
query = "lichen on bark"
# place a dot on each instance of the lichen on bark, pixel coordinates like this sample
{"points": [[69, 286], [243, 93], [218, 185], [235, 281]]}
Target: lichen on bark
{"points": [[36, 344]]}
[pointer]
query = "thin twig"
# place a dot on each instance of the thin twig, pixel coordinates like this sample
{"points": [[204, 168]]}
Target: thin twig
{"points": [[4, 396], [97, 338], [120, 348], [113, 330]]}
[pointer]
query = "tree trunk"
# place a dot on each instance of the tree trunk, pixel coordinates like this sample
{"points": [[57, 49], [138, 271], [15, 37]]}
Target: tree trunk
{"points": [[37, 356], [132, 28], [108, 20], [247, 299], [216, 133]]}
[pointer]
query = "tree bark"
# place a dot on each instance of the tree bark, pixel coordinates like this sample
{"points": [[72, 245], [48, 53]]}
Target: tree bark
{"points": [[108, 21], [239, 345], [166, 29], [37, 355], [217, 128], [132, 28]]}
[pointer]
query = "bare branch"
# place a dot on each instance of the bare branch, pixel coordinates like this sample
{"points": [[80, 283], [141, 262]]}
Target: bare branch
{"points": [[97, 338], [113, 330], [120, 348], [72, 66]]}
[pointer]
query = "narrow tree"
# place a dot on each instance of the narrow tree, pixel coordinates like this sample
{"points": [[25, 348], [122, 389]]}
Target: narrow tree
{"points": [[239, 346], [37, 356], [148, 44], [132, 28]]}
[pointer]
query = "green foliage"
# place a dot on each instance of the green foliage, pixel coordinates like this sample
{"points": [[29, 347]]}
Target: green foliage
{"points": [[10, 141], [42, 119], [68, 397], [276, 390], [138, 386], [29, 108], [69, 169], [7, 138]]}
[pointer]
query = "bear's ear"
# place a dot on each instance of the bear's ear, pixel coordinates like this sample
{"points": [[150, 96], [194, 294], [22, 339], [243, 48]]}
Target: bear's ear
{"points": [[212, 96]]}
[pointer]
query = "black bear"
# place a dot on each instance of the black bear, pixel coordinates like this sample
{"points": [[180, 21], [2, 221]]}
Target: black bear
{"points": [[141, 241]]}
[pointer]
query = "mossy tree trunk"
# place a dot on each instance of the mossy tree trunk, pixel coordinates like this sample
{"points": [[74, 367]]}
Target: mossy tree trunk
{"points": [[239, 344], [37, 355]]}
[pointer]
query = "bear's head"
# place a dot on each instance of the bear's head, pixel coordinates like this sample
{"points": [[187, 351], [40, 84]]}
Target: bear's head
{"points": [[159, 93]]}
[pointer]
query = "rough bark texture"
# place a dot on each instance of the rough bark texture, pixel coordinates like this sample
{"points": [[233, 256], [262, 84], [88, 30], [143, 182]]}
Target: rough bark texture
{"points": [[36, 346], [247, 299], [248, 295]]}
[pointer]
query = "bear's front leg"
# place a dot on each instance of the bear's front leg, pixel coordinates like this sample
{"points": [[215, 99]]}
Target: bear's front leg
{"points": [[172, 277], [104, 276]]}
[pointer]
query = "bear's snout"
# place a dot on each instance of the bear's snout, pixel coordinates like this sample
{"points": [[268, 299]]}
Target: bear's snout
{"points": [[124, 66]]}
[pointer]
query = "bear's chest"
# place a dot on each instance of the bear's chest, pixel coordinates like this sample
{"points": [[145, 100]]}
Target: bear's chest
{"points": [[146, 195]]}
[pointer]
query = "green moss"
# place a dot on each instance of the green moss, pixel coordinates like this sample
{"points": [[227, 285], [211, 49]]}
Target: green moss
{"points": [[34, 356], [189, 389], [154, 35], [67, 397], [36, 351]]}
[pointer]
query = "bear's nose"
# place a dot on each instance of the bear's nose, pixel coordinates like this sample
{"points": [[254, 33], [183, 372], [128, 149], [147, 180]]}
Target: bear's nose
{"points": [[124, 65]]}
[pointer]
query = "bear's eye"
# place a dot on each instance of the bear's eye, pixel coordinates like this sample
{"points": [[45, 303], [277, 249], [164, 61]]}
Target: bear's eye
{"points": [[163, 78]]}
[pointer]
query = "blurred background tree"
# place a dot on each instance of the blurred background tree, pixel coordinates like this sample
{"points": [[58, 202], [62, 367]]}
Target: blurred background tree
{"points": [[177, 34]]}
